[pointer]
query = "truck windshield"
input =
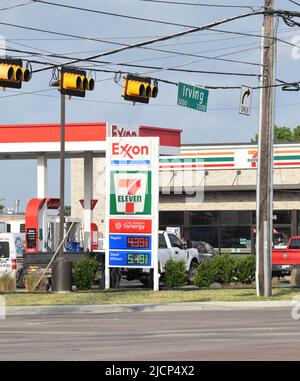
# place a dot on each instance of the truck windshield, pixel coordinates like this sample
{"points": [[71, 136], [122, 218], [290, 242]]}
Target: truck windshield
{"points": [[295, 244], [4, 249]]}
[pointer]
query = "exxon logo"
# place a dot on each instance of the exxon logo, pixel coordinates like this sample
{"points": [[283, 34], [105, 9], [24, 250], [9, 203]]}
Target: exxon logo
{"points": [[116, 131], [129, 151]]}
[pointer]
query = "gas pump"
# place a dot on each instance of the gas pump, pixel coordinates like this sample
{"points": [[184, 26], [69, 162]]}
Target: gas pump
{"points": [[38, 239]]}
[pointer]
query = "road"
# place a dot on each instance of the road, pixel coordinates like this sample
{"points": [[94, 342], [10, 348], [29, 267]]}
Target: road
{"points": [[195, 335]]}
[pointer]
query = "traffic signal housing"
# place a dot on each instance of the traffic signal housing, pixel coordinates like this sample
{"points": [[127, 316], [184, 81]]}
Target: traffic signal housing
{"points": [[139, 89], [74, 82], [12, 73]]}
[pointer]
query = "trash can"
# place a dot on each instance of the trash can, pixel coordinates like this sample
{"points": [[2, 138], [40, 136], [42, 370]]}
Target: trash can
{"points": [[61, 276]]}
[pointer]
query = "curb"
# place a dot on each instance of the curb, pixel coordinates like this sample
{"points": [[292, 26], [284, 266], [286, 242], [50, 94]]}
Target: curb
{"points": [[168, 307]]}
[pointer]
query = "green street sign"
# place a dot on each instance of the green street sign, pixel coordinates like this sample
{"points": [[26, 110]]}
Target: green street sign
{"points": [[192, 97]]}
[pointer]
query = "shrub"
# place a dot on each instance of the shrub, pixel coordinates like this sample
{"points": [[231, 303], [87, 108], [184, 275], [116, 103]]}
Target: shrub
{"points": [[175, 275], [245, 269], [225, 269], [84, 273], [7, 283], [31, 279]]}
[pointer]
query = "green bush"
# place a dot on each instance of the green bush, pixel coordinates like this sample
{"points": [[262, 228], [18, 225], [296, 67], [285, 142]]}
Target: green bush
{"points": [[31, 280], [7, 283], [175, 275], [84, 273], [245, 269], [225, 269]]}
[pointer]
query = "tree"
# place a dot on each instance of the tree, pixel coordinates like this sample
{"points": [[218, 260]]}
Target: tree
{"points": [[296, 134], [1, 208], [282, 135]]}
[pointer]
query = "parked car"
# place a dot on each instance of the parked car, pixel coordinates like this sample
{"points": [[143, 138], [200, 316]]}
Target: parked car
{"points": [[205, 250]]}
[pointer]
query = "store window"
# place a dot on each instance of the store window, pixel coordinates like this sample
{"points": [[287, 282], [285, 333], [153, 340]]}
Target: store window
{"points": [[204, 218], [207, 234], [236, 237], [171, 218], [235, 218], [280, 217]]}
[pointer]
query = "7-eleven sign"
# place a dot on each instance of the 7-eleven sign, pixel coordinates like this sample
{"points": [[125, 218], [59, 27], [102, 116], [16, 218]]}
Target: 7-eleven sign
{"points": [[130, 192]]}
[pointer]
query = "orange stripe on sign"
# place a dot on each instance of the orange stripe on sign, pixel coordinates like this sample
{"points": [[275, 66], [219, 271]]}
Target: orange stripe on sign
{"points": [[287, 163], [207, 154], [126, 183]]}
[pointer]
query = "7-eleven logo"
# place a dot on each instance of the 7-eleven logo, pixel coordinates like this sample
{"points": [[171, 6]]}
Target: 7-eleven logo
{"points": [[129, 193], [132, 186], [253, 159]]}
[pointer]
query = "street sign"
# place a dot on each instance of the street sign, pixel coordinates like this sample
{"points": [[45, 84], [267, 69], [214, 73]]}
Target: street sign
{"points": [[245, 101], [192, 97], [132, 204]]}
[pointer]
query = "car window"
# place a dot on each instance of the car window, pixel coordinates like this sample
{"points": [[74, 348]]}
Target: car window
{"points": [[162, 244], [201, 248], [175, 241], [209, 249], [4, 249], [295, 244]]}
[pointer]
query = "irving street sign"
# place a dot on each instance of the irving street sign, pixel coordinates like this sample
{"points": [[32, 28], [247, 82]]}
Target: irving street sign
{"points": [[192, 97]]}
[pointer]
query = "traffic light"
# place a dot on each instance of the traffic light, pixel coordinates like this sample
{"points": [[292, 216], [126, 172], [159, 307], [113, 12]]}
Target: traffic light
{"points": [[139, 89], [74, 82], [12, 73]]}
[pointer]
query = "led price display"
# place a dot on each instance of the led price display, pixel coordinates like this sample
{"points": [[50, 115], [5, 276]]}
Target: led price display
{"points": [[138, 242], [138, 259]]}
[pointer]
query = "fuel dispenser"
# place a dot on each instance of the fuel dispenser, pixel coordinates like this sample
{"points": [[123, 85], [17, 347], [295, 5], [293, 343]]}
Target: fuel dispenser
{"points": [[43, 236]]}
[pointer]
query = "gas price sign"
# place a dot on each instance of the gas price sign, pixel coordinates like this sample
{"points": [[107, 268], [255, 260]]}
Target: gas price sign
{"points": [[132, 202]]}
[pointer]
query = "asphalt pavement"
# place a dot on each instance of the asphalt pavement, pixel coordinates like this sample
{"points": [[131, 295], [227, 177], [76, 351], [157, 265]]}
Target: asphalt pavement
{"points": [[257, 334]]}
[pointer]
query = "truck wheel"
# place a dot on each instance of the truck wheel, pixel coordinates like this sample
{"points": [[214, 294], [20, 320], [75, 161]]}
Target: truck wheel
{"points": [[192, 271], [295, 277]]}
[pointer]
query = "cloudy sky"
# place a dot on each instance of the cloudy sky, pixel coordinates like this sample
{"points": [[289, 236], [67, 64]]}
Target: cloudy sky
{"points": [[222, 122]]}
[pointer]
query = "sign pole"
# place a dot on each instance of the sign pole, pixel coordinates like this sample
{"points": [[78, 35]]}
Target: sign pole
{"points": [[155, 190]]}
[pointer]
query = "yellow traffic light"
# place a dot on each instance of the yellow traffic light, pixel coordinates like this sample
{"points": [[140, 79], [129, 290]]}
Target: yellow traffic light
{"points": [[6, 72], [12, 73], [74, 82], [139, 89]]}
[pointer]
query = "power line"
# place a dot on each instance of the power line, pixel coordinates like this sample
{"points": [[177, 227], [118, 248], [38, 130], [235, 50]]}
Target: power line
{"points": [[202, 4], [294, 2], [164, 38], [16, 6], [138, 66]]}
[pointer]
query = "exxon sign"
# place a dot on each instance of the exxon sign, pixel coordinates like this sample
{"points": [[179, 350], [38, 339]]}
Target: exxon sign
{"points": [[130, 149]]}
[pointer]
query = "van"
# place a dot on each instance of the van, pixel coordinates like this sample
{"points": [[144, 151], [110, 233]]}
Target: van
{"points": [[11, 252]]}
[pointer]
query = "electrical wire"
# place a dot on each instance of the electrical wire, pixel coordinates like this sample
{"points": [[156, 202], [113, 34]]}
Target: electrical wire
{"points": [[202, 4], [294, 2], [15, 6], [142, 66]]}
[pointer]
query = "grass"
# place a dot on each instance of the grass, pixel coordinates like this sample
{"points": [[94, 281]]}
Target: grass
{"points": [[143, 296]]}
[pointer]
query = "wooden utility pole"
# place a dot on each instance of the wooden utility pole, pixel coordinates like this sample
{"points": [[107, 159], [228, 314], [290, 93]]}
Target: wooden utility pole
{"points": [[264, 192]]}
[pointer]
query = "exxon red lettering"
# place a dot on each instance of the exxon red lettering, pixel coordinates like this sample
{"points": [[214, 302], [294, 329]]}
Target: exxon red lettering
{"points": [[128, 150]]}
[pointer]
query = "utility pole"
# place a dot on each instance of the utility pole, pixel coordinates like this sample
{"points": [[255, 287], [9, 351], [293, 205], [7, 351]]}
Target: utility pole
{"points": [[62, 172], [264, 191]]}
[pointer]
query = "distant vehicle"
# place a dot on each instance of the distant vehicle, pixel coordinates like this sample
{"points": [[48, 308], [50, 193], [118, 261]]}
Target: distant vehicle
{"points": [[11, 253], [205, 250], [286, 259]]}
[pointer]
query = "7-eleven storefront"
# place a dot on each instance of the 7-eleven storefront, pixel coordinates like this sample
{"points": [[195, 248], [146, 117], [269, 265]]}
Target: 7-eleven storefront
{"points": [[225, 214]]}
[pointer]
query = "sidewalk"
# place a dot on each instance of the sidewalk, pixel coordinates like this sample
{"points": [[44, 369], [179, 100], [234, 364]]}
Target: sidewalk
{"points": [[170, 307]]}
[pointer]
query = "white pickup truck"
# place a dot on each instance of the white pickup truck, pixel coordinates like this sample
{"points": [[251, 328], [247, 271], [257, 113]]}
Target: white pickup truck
{"points": [[169, 247]]}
